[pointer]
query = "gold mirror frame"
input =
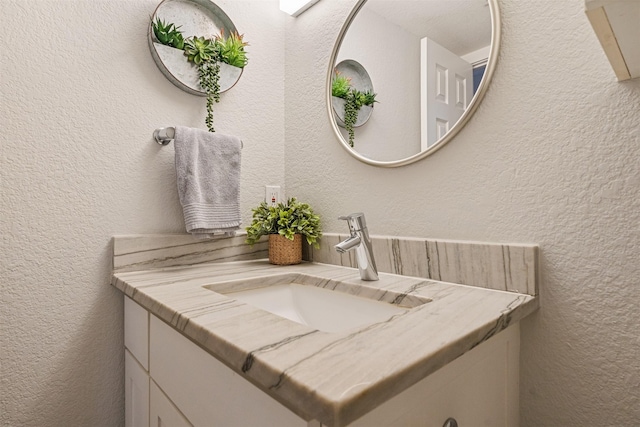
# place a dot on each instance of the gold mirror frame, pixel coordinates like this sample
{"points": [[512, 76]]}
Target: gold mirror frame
{"points": [[473, 105]]}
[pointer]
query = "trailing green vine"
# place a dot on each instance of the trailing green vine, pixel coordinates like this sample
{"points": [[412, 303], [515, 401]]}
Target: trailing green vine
{"points": [[206, 54], [351, 110], [209, 73]]}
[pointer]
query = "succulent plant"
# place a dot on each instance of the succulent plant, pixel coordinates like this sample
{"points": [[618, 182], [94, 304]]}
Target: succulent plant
{"points": [[168, 34], [340, 86], [199, 50], [232, 49], [368, 97]]}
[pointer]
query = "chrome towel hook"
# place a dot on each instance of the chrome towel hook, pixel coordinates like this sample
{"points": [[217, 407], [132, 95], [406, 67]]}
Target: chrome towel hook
{"points": [[164, 136]]}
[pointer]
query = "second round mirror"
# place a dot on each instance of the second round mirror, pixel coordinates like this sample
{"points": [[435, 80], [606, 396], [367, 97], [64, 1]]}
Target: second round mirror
{"points": [[430, 62]]}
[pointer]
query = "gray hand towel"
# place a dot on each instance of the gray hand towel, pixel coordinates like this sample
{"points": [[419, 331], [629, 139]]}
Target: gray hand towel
{"points": [[208, 176]]}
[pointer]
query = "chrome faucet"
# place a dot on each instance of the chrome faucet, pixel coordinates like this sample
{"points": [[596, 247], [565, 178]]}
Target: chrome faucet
{"points": [[360, 241]]}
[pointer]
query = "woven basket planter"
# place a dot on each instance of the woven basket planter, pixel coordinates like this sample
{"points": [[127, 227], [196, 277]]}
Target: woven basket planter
{"points": [[283, 251]]}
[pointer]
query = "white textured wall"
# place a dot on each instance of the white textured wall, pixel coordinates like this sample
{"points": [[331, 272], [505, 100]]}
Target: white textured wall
{"points": [[80, 97], [552, 157]]}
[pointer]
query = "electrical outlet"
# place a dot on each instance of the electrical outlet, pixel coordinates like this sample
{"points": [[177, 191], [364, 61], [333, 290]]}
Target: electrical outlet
{"points": [[272, 194]]}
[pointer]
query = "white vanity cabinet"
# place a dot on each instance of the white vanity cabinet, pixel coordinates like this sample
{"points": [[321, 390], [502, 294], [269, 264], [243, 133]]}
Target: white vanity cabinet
{"points": [[184, 385]]}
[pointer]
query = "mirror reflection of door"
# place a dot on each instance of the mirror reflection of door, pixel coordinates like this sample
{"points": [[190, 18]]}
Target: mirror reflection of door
{"points": [[446, 87]]}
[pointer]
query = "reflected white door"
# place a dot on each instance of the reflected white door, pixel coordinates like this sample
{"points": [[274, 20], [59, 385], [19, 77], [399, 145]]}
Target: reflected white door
{"points": [[446, 86]]}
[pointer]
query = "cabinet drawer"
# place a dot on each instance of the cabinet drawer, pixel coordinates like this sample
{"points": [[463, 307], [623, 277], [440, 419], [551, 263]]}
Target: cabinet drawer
{"points": [[207, 392], [136, 331]]}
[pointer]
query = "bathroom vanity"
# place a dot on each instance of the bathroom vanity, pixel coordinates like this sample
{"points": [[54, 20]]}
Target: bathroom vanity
{"points": [[196, 355]]}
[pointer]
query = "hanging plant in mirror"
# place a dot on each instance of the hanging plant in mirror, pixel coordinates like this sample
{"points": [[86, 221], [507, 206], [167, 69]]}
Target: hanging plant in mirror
{"points": [[354, 100], [212, 57]]}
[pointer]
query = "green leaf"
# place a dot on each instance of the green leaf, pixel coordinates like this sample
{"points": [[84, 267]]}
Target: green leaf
{"points": [[286, 219]]}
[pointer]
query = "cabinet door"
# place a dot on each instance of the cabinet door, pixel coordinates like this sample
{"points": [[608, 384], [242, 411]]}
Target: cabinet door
{"points": [[207, 392], [136, 393], [162, 412], [478, 389]]}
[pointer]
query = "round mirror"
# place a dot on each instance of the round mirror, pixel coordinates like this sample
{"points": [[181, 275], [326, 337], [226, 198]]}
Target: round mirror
{"points": [[430, 62]]}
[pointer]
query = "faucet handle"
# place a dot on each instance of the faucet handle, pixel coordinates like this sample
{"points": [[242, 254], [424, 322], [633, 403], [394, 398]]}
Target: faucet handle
{"points": [[356, 221], [351, 216]]}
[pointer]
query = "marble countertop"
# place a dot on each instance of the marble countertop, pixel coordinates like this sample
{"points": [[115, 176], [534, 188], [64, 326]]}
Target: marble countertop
{"points": [[334, 378]]}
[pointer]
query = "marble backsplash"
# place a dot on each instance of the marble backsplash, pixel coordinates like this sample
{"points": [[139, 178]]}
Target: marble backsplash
{"points": [[143, 252], [506, 267]]}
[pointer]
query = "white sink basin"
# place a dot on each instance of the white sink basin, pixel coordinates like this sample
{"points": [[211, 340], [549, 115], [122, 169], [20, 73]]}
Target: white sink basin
{"points": [[305, 300]]}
